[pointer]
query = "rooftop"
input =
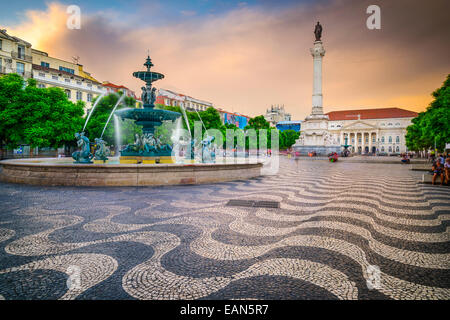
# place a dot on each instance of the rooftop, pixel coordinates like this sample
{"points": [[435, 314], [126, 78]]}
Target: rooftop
{"points": [[179, 96], [290, 122], [5, 35], [382, 113]]}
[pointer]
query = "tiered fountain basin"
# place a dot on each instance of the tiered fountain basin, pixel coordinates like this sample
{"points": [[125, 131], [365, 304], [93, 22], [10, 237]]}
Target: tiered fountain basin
{"points": [[63, 172]]}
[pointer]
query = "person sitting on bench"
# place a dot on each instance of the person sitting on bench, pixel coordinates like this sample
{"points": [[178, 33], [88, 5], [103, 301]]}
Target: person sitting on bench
{"points": [[438, 171]]}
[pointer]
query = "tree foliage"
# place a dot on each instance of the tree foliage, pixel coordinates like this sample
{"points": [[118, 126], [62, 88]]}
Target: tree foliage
{"points": [[211, 119], [100, 116], [288, 138], [433, 125], [39, 117], [257, 123]]}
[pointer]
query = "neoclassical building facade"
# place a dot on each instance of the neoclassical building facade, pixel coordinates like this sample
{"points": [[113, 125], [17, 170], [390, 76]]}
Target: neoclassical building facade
{"points": [[371, 130]]}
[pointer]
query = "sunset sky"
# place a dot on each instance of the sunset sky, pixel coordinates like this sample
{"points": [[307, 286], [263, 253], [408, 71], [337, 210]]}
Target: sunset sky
{"points": [[246, 55]]}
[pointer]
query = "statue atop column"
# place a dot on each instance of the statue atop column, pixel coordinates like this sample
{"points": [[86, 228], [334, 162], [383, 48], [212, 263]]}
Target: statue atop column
{"points": [[318, 31]]}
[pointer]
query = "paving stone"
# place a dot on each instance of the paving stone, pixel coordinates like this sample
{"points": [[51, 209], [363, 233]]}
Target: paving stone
{"points": [[336, 224]]}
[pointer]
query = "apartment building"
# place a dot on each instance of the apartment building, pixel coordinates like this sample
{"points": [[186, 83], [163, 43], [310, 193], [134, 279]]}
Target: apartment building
{"points": [[78, 84], [15, 55]]}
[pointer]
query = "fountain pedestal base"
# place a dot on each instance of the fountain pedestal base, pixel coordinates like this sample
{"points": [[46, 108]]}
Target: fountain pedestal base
{"points": [[146, 160], [100, 161]]}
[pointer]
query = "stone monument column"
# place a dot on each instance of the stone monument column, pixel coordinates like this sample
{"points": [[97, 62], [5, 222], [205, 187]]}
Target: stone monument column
{"points": [[314, 131], [317, 52]]}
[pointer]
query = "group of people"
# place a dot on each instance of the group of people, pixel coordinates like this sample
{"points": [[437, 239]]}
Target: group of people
{"points": [[441, 169], [406, 158]]}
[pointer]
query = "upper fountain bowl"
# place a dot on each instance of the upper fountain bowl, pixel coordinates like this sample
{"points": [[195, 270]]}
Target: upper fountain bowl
{"points": [[147, 114], [148, 76]]}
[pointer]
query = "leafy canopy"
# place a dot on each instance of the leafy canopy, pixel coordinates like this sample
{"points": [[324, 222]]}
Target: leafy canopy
{"points": [[100, 116], [39, 117], [433, 125], [211, 119]]}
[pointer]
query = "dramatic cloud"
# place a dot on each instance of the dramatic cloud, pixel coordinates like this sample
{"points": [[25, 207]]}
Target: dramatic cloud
{"points": [[250, 58]]}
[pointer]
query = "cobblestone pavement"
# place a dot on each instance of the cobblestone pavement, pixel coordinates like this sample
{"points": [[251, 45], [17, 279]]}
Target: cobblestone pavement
{"points": [[341, 229]]}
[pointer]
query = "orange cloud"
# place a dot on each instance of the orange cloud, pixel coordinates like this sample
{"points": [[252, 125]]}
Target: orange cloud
{"points": [[42, 27], [250, 58]]}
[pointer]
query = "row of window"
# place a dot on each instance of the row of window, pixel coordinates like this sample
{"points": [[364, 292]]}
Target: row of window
{"points": [[66, 70], [397, 139], [196, 106], [67, 80], [397, 149], [383, 125], [61, 68], [79, 95], [190, 105]]}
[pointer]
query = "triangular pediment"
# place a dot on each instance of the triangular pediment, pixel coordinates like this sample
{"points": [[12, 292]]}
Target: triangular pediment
{"points": [[359, 125]]}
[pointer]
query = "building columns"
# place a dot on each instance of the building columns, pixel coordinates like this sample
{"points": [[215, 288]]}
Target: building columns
{"points": [[363, 142]]}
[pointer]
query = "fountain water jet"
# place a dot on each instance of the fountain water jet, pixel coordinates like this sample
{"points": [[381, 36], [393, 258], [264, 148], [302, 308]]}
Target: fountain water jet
{"points": [[118, 132], [92, 110], [177, 142], [111, 114], [183, 111]]}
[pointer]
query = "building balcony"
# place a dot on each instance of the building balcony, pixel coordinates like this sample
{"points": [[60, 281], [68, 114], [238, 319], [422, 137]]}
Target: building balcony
{"points": [[21, 56], [68, 85]]}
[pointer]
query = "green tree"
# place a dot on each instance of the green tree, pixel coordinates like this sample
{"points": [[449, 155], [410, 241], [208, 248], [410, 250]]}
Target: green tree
{"points": [[165, 131], [101, 114], [432, 126], [210, 118], [39, 117], [289, 137], [257, 123], [260, 123]]}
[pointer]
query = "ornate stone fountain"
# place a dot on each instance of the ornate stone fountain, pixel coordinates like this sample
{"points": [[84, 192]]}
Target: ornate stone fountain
{"points": [[147, 147]]}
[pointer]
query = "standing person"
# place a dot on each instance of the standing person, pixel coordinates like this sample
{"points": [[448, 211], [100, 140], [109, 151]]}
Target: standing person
{"points": [[438, 171], [432, 156]]}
